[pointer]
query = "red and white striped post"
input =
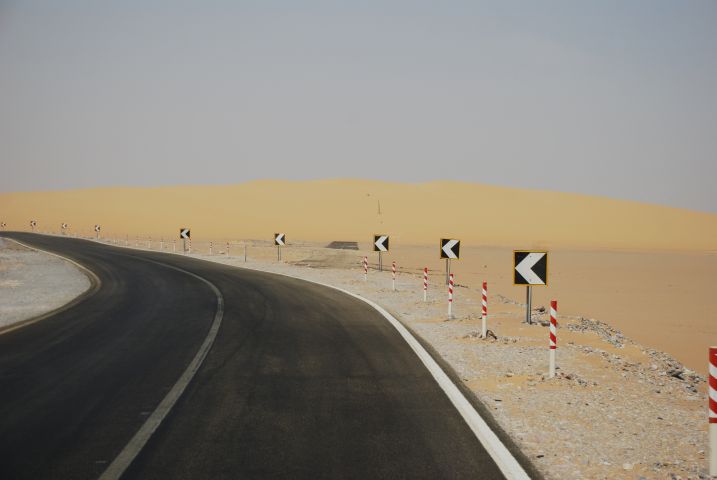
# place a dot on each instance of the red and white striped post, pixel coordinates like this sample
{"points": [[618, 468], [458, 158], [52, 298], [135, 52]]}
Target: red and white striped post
{"points": [[425, 283], [484, 316], [450, 296], [174, 246], [227, 249], [149, 243], [365, 269], [190, 246], [393, 273], [210, 247], [553, 336], [713, 410]]}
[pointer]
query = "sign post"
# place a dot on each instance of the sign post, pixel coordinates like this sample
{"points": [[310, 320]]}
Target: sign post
{"points": [[450, 249], [393, 280], [33, 224], [279, 241], [484, 312], [185, 234], [712, 388], [380, 245], [553, 336], [530, 268], [425, 283], [450, 297], [97, 231]]}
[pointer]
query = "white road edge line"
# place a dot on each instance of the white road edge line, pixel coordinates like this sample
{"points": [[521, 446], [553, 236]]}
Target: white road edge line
{"points": [[119, 465], [505, 461], [94, 285]]}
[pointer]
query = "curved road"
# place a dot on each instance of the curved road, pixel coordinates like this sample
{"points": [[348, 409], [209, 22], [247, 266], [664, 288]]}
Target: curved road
{"points": [[301, 382]]}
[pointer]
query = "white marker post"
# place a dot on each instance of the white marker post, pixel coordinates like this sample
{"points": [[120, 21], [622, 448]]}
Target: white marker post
{"points": [[393, 272], [210, 248], [190, 245], [365, 269], [425, 283], [161, 243], [174, 246], [553, 336], [149, 243], [450, 296], [713, 410], [227, 249], [484, 316]]}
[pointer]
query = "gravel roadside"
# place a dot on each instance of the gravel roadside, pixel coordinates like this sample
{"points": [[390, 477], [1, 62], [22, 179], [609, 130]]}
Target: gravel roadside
{"points": [[33, 283]]}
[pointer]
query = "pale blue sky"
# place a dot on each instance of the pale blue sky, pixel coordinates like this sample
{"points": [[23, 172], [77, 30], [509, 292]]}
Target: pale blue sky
{"points": [[615, 98]]}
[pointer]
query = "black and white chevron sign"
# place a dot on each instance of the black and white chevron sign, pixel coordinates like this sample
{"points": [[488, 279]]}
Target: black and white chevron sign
{"points": [[380, 243], [530, 268], [3, 224], [33, 223], [280, 239], [184, 233], [63, 226], [97, 228], [450, 248]]}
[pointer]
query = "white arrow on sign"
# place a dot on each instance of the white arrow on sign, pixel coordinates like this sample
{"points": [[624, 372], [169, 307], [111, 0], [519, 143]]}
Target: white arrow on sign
{"points": [[525, 268], [64, 226], [448, 248], [279, 239], [97, 228], [184, 233], [381, 243]]}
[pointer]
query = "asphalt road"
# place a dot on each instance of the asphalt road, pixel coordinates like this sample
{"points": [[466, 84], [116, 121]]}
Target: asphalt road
{"points": [[301, 382]]}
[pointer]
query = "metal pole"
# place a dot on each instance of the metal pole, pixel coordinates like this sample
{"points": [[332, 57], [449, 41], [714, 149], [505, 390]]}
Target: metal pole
{"points": [[245, 253], [380, 262], [712, 401], [528, 306], [393, 273], [184, 245], [484, 312], [450, 298], [553, 342]]}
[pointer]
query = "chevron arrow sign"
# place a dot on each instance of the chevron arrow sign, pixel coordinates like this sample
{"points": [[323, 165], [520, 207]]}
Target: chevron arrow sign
{"points": [[380, 243], [450, 248], [184, 233], [530, 268], [280, 239], [97, 228]]}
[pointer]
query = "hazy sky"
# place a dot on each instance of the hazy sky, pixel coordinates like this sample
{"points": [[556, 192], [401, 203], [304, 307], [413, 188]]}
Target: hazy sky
{"points": [[611, 98]]}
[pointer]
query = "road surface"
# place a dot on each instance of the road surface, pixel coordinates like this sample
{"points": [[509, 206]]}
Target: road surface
{"points": [[301, 381]]}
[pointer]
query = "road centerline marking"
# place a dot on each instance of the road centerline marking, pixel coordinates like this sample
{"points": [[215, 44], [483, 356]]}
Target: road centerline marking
{"points": [[133, 448]]}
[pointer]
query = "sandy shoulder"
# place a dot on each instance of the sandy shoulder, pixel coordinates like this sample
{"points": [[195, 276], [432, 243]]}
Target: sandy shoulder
{"points": [[33, 283]]}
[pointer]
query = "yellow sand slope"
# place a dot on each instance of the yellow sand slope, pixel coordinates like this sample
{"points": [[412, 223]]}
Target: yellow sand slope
{"points": [[349, 210]]}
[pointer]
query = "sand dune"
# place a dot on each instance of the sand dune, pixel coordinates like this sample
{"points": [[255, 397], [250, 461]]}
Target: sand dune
{"points": [[349, 210], [657, 289]]}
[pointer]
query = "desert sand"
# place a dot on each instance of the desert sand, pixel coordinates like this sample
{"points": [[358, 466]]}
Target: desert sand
{"points": [[644, 269]]}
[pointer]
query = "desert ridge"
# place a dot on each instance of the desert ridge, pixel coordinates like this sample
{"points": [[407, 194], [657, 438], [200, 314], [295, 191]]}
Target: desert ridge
{"points": [[342, 209]]}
